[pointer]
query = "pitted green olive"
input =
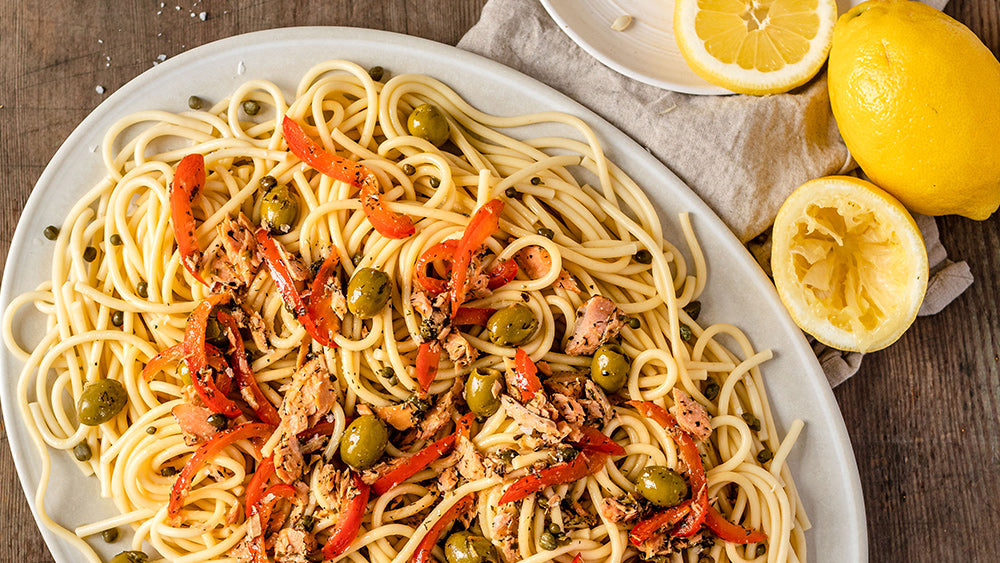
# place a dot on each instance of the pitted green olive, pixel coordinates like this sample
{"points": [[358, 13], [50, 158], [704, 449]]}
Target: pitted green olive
{"points": [[463, 547], [130, 557], [512, 326], [609, 368], [367, 292], [427, 122], [101, 401], [278, 209], [482, 391], [661, 486], [363, 442]]}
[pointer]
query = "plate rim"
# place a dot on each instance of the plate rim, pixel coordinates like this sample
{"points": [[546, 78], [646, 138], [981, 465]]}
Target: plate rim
{"points": [[19, 440]]}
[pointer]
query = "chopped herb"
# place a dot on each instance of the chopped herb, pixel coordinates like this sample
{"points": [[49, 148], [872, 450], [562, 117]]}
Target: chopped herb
{"points": [[306, 522]]}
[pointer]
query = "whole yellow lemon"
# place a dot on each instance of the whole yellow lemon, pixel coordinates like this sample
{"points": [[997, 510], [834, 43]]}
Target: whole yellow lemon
{"points": [[917, 98]]}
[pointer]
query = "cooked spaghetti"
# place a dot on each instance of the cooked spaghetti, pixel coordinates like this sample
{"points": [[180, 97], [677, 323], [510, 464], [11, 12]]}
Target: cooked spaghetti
{"points": [[367, 325]]}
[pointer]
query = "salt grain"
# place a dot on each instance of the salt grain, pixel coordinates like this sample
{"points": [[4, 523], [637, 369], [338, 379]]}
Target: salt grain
{"points": [[99, 89], [203, 16], [241, 68]]}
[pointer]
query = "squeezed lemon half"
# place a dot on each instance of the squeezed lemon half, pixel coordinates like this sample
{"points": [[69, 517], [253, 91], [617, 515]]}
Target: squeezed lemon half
{"points": [[849, 263]]}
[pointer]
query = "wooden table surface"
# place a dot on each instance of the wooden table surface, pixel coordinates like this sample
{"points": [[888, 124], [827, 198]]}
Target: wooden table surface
{"points": [[923, 415]]}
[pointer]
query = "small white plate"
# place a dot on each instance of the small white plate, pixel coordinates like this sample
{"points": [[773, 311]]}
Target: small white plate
{"points": [[646, 50]]}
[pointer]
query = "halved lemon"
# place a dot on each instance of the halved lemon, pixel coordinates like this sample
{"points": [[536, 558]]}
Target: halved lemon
{"points": [[849, 263], [755, 46]]}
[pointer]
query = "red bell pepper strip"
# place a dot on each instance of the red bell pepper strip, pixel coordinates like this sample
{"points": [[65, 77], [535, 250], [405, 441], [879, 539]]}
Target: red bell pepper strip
{"points": [[428, 356], [472, 316], [526, 375], [188, 180], [731, 532], [595, 441], [175, 353], [423, 552], [282, 277], [386, 222], [502, 273], [262, 509], [258, 482], [662, 519], [481, 226], [585, 463], [691, 459], [205, 452], [578, 558], [349, 521], [261, 406], [321, 296], [420, 460], [443, 252], [212, 396], [223, 373]]}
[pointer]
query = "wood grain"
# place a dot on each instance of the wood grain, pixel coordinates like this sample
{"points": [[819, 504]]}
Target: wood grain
{"points": [[923, 415]]}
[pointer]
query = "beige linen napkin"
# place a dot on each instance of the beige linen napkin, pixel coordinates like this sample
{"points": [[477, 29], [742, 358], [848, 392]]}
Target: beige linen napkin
{"points": [[742, 154]]}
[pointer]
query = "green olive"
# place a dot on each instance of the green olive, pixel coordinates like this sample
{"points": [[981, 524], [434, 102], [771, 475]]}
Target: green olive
{"points": [[363, 442], [214, 333], [463, 547], [427, 122], [278, 209], [130, 557], [512, 326], [609, 368], [101, 401], [367, 292], [661, 486], [482, 391]]}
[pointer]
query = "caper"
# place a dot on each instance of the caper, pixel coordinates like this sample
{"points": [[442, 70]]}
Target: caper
{"points": [[194, 102], [609, 368], [554, 529], [427, 122], [142, 288], [150, 430], [547, 541], [535, 181], [388, 374], [686, 333], [307, 522], [218, 421], [435, 182], [512, 325], [242, 161], [510, 192], [752, 421], [409, 169], [705, 558], [482, 391], [110, 535], [661, 486], [169, 471], [367, 292], [268, 182], [278, 210], [693, 309], [566, 454], [117, 318], [363, 442], [546, 232], [463, 547], [89, 254], [761, 550], [251, 107], [711, 390], [765, 456], [82, 451], [376, 72], [633, 322], [51, 232], [643, 256], [101, 401], [507, 456], [214, 333], [130, 557], [116, 239]]}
